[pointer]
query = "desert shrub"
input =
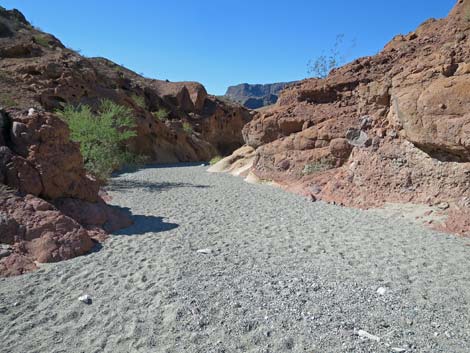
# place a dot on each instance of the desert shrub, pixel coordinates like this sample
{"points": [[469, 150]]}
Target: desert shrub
{"points": [[187, 128], [161, 114], [102, 136], [215, 160], [319, 165], [321, 66], [42, 40], [7, 101], [139, 100]]}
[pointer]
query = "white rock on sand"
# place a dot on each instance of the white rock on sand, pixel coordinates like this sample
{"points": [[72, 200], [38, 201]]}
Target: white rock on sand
{"points": [[381, 290], [365, 334], [85, 299]]}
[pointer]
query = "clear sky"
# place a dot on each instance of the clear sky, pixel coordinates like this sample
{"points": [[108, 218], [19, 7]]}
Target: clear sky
{"points": [[225, 42]]}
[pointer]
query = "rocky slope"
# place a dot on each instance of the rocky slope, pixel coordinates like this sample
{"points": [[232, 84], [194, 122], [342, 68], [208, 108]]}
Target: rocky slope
{"points": [[37, 71], [394, 127], [254, 96], [50, 209]]}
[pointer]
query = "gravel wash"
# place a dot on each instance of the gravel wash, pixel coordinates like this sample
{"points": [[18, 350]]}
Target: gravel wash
{"points": [[213, 264]]}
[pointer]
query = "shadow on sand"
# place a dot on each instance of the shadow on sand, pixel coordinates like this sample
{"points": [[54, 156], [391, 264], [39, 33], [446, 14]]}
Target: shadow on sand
{"points": [[125, 184], [146, 224]]}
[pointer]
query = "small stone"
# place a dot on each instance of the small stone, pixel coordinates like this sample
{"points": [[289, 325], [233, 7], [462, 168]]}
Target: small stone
{"points": [[311, 198], [357, 138], [399, 350], [443, 206], [85, 299], [381, 290], [31, 111], [366, 122], [365, 334], [4, 253], [204, 251]]}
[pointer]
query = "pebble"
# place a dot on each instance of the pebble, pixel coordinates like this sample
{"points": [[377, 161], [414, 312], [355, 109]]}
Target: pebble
{"points": [[399, 350], [381, 290], [204, 251], [443, 206], [4, 253], [368, 335], [85, 299]]}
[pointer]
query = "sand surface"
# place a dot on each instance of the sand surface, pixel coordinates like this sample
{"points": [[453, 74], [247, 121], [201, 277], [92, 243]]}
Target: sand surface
{"points": [[276, 274]]}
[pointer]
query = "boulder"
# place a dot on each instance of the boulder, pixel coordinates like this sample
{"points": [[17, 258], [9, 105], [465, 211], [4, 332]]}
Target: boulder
{"points": [[41, 160], [38, 232]]}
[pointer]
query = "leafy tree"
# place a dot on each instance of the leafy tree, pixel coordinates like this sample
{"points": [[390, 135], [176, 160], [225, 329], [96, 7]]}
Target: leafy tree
{"points": [[102, 136]]}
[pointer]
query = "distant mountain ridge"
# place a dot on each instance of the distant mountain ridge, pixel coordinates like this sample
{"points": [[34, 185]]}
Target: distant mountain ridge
{"points": [[254, 96]]}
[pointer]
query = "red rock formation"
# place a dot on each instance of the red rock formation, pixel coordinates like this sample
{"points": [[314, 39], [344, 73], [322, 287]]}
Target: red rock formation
{"points": [[405, 116], [38, 162], [40, 159]]}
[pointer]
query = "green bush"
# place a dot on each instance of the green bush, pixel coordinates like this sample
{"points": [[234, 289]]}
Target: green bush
{"points": [[319, 165], [139, 100], [42, 40], [161, 114], [101, 136], [187, 128], [215, 160]]}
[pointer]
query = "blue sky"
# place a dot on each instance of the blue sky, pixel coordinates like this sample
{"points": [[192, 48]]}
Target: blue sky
{"points": [[221, 43]]}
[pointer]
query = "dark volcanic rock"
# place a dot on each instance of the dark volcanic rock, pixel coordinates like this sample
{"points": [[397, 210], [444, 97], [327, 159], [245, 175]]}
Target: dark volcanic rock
{"points": [[254, 96]]}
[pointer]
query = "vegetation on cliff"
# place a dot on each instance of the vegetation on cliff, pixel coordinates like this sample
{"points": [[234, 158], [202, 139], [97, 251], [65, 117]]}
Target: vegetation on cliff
{"points": [[102, 136]]}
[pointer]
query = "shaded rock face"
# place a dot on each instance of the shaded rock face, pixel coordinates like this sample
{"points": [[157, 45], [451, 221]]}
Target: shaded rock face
{"points": [[394, 127], [37, 71], [254, 96], [50, 209]]}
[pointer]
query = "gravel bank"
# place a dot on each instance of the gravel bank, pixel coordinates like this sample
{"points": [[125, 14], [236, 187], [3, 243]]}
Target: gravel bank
{"points": [[277, 274]]}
